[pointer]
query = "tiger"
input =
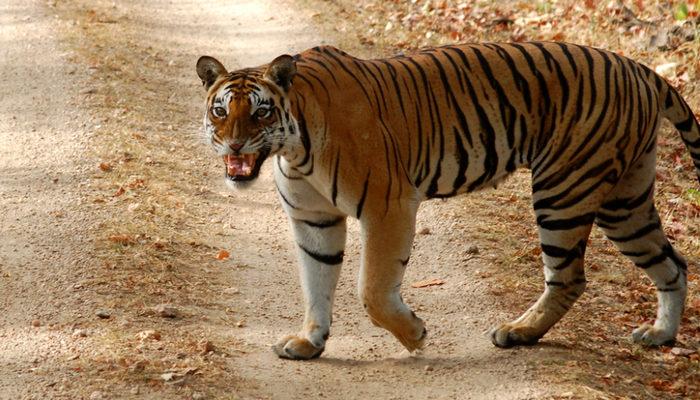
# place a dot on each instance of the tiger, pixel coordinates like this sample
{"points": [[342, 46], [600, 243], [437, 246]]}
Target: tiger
{"points": [[371, 139]]}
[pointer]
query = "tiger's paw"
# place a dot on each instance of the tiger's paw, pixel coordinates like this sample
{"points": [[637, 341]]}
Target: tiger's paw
{"points": [[649, 335], [412, 344], [296, 348], [509, 335]]}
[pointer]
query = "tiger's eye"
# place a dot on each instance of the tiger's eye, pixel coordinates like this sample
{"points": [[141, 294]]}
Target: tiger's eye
{"points": [[261, 113], [219, 112]]}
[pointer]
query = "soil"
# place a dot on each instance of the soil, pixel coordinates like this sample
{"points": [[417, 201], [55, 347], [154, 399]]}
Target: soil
{"points": [[114, 217]]}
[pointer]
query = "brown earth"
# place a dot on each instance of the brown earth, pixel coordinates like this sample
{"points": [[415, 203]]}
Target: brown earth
{"points": [[112, 204]]}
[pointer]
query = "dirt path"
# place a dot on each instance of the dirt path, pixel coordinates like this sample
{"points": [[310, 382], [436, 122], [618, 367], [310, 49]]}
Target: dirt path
{"points": [[95, 83], [43, 132]]}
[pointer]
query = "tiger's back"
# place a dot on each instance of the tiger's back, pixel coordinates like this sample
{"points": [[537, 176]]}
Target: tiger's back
{"points": [[457, 118]]}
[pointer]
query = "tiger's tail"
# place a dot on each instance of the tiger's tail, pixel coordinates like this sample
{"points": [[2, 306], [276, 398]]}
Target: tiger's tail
{"points": [[676, 110]]}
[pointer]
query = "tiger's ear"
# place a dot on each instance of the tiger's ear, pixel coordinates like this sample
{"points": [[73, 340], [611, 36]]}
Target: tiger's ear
{"points": [[209, 69], [281, 71]]}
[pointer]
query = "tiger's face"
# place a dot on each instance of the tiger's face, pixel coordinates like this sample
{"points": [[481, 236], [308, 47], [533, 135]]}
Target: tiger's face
{"points": [[247, 114]]}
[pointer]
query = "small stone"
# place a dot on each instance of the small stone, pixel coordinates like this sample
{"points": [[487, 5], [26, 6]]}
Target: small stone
{"points": [[96, 395], [428, 368], [240, 324], [166, 311], [473, 249], [36, 323], [231, 290], [103, 314], [424, 231], [198, 396], [168, 376], [205, 346], [135, 390], [79, 333], [148, 335]]}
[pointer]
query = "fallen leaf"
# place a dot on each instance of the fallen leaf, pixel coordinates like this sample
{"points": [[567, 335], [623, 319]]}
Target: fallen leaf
{"points": [[137, 183], [222, 255], [667, 69], [660, 384], [426, 283], [122, 239], [679, 351]]}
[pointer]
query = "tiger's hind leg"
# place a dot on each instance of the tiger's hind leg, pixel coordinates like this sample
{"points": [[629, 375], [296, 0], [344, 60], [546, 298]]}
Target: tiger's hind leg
{"points": [[565, 215], [563, 242], [630, 220]]}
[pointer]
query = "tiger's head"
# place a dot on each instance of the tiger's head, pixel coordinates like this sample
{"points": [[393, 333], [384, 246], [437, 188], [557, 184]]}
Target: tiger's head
{"points": [[247, 115]]}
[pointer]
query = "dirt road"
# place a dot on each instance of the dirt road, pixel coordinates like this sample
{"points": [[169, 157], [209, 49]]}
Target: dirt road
{"points": [[111, 204]]}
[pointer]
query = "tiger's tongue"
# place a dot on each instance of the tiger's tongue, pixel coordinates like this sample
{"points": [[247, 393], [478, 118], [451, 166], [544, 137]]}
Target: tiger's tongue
{"points": [[239, 165]]}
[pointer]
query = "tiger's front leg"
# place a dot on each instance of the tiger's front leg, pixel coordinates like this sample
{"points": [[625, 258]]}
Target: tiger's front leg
{"points": [[386, 247], [319, 232]]}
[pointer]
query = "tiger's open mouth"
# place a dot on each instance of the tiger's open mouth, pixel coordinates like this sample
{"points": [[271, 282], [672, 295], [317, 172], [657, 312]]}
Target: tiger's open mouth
{"points": [[243, 167]]}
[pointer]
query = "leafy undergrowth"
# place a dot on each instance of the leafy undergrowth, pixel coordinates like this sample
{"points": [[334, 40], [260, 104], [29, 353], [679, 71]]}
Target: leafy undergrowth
{"points": [[591, 346]]}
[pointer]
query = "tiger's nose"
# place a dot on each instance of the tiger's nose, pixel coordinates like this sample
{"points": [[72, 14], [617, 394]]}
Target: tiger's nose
{"points": [[235, 146]]}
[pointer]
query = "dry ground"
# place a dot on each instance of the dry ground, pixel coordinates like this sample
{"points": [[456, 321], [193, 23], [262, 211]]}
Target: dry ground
{"points": [[112, 204]]}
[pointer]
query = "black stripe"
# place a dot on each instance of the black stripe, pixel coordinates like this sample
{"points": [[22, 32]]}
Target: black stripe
{"points": [[279, 168], [522, 84], [324, 66], [668, 102], [630, 253], [463, 160], [668, 249], [611, 219], [308, 82], [330, 259], [544, 92], [652, 261], [629, 203], [686, 125], [334, 194], [284, 198], [565, 49], [595, 172], [591, 74], [361, 203], [638, 234], [508, 112], [563, 82], [565, 223], [322, 224], [435, 118], [569, 255]]}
